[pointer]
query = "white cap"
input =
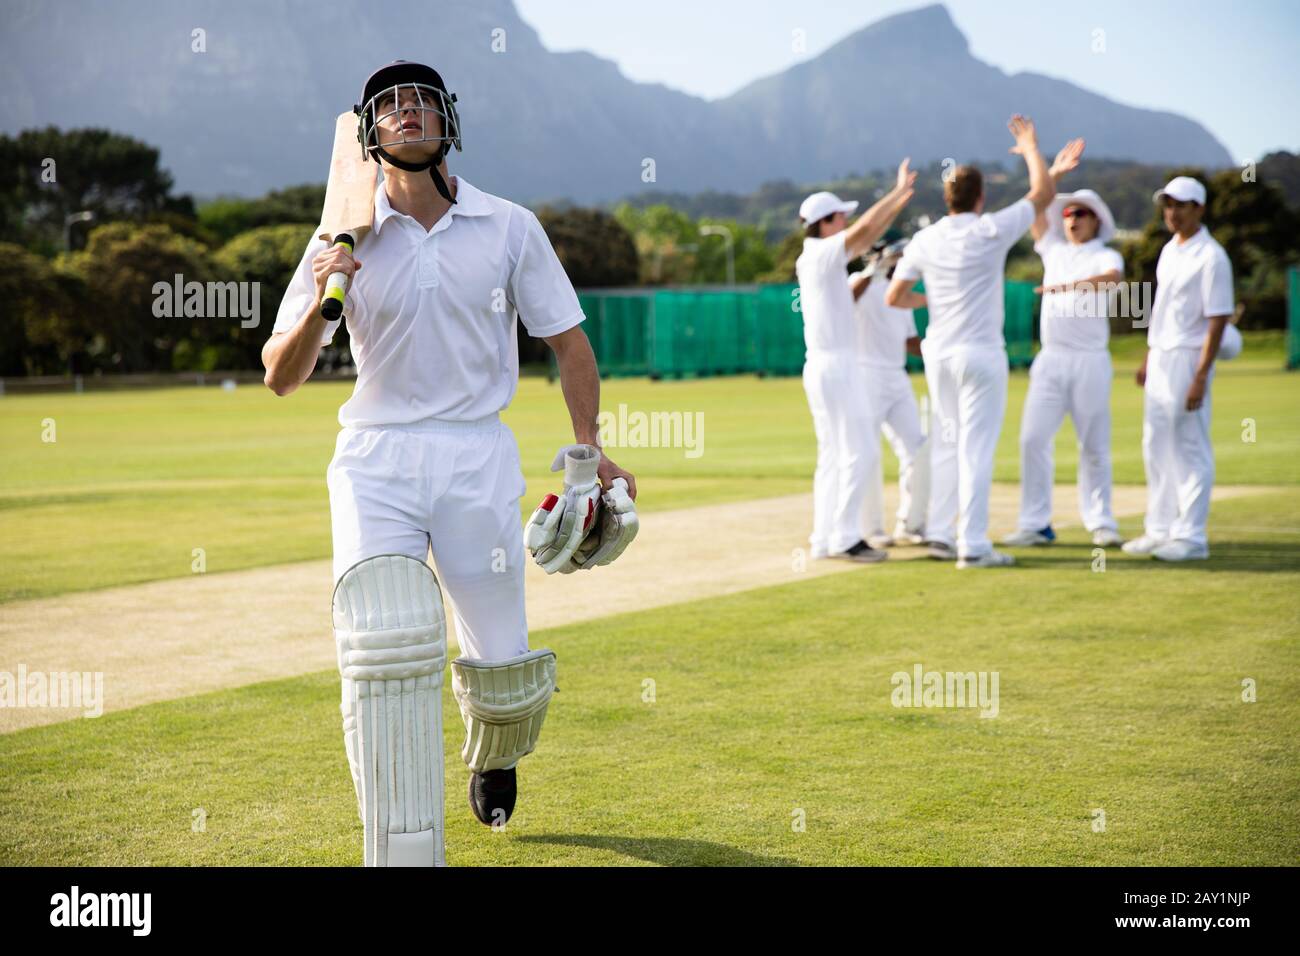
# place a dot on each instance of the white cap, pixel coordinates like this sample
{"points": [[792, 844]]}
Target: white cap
{"points": [[820, 205], [1184, 189], [1083, 197], [1230, 344]]}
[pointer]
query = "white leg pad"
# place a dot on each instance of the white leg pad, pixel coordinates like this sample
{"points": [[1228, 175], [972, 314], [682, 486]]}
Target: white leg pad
{"points": [[390, 629], [503, 704]]}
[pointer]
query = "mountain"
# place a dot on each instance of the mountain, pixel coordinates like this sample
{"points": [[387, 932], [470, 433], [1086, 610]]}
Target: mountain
{"points": [[253, 110]]}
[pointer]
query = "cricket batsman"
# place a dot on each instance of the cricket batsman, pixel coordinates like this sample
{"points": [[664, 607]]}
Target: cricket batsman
{"points": [[424, 464]]}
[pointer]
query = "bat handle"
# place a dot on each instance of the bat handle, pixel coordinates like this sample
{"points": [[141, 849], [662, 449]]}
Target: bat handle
{"points": [[336, 286]]}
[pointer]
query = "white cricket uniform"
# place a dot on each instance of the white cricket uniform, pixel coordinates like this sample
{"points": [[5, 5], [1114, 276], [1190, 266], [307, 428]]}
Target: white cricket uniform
{"points": [[423, 461], [1193, 284], [883, 331], [847, 449], [1070, 375], [962, 259]]}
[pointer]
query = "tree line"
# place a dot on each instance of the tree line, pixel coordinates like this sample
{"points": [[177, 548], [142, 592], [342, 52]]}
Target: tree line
{"points": [[92, 229]]}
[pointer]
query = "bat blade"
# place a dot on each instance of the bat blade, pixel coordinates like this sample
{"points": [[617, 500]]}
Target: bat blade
{"points": [[349, 204], [350, 189]]}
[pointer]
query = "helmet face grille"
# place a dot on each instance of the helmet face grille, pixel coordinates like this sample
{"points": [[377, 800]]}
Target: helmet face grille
{"points": [[432, 108]]}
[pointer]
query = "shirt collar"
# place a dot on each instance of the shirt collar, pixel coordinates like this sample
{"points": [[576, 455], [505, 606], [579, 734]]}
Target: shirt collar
{"points": [[1197, 238], [470, 201]]}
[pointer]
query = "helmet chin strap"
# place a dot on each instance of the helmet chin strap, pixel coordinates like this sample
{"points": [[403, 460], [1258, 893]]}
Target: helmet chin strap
{"points": [[431, 165]]}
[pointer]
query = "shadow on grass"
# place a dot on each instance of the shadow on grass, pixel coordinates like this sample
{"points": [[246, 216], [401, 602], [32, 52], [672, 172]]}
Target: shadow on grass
{"points": [[1260, 557], [664, 851]]}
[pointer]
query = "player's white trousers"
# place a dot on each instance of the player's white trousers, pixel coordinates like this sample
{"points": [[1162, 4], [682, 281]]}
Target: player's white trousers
{"points": [[892, 403], [1176, 448], [453, 487], [1077, 383], [968, 396], [848, 449]]}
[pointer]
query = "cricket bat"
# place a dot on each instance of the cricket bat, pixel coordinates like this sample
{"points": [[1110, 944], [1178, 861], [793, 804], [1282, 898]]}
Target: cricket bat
{"points": [[349, 204]]}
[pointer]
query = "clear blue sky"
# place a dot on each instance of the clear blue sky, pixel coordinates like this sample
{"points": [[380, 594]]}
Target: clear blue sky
{"points": [[1230, 65]]}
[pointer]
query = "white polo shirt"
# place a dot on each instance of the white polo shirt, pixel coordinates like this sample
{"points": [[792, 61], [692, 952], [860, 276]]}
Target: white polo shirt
{"points": [[824, 296], [431, 314], [883, 329], [1080, 319], [962, 259], [1193, 283]]}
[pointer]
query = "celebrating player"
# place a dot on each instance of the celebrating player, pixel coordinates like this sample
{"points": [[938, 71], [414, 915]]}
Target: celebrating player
{"points": [[962, 258], [423, 462], [848, 446], [1072, 373], [886, 336]]}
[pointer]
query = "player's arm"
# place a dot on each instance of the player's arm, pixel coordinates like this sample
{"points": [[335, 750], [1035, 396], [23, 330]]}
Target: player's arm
{"points": [[871, 225], [901, 294], [289, 357], [858, 285], [580, 383], [1041, 187], [1209, 351], [914, 345], [1066, 160], [1092, 283]]}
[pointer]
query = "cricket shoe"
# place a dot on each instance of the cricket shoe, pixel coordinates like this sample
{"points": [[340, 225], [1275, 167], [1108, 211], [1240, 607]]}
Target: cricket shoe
{"points": [[1027, 538], [941, 550], [861, 552], [1181, 551], [880, 540], [492, 796], [1107, 538], [902, 535], [993, 559], [1143, 545]]}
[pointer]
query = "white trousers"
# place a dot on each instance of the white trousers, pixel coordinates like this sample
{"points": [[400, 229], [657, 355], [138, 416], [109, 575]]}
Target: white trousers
{"points": [[1176, 448], [848, 449], [893, 404], [1077, 383], [453, 487], [968, 396]]}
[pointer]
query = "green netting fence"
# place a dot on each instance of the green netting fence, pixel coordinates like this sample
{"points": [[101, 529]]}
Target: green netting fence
{"points": [[1293, 317], [680, 333]]}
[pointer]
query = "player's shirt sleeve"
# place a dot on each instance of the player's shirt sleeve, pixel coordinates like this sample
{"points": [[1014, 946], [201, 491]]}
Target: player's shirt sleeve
{"points": [[1014, 221], [1216, 285], [1110, 261], [1050, 240], [910, 264], [538, 287], [300, 293]]}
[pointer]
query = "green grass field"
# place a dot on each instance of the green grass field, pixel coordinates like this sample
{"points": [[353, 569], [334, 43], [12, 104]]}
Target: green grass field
{"points": [[770, 738], [137, 480]]}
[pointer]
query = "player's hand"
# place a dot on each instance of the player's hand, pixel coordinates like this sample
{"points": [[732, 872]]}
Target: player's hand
{"points": [[1141, 376], [608, 471], [1196, 393], [333, 258], [1026, 137], [1067, 159], [906, 176]]}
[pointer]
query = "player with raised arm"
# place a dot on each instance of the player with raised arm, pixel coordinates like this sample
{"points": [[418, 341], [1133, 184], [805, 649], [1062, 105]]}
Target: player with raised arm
{"points": [[848, 442], [962, 259], [1072, 373]]}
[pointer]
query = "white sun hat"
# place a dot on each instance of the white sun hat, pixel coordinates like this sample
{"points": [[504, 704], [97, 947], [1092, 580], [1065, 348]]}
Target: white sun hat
{"points": [[820, 205], [1083, 197]]}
